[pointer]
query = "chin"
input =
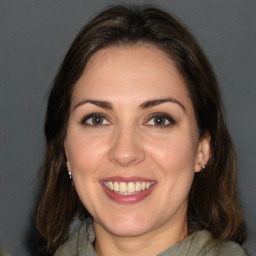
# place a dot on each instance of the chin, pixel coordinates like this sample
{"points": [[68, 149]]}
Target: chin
{"points": [[127, 230], [125, 226]]}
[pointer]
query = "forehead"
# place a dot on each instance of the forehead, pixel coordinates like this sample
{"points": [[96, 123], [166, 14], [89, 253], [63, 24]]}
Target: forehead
{"points": [[126, 73]]}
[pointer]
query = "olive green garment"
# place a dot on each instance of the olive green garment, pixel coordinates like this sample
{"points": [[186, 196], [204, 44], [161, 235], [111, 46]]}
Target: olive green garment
{"points": [[198, 244], [4, 252]]}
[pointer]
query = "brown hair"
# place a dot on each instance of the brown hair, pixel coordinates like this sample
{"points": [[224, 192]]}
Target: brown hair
{"points": [[213, 203]]}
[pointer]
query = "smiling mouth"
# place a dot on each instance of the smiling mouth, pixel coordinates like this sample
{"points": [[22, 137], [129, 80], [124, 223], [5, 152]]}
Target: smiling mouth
{"points": [[129, 188]]}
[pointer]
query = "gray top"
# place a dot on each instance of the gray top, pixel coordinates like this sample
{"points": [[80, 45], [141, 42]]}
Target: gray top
{"points": [[4, 252], [198, 244]]}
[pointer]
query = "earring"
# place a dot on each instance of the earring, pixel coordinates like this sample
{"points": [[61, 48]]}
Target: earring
{"points": [[202, 169], [69, 172]]}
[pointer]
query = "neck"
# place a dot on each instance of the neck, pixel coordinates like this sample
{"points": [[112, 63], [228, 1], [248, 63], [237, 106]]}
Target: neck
{"points": [[151, 243]]}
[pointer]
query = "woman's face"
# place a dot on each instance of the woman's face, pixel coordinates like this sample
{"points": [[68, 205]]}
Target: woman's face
{"points": [[132, 141]]}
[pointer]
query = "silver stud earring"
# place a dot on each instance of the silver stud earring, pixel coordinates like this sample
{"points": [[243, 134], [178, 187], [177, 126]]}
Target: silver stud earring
{"points": [[202, 169], [69, 172]]}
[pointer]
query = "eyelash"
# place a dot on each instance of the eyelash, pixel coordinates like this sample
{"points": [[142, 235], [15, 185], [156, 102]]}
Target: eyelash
{"points": [[91, 116], [161, 115], [153, 116]]}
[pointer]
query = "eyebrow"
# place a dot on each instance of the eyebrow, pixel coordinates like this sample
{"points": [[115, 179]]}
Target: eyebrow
{"points": [[147, 104], [99, 103], [155, 102]]}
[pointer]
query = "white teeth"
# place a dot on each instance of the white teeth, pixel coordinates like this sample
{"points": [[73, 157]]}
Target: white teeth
{"points": [[116, 186], [137, 186], [111, 185], [130, 188], [122, 187], [143, 185]]}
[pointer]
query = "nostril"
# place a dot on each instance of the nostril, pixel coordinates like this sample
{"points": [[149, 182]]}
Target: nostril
{"points": [[126, 156], [124, 161], [127, 149]]}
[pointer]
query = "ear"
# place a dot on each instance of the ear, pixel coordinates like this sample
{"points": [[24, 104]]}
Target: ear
{"points": [[65, 148], [203, 152], [66, 152]]}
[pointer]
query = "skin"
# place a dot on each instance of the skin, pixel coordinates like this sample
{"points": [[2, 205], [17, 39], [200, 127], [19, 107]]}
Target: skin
{"points": [[128, 143]]}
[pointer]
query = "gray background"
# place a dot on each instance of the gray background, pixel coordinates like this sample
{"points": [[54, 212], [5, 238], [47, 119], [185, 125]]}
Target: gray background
{"points": [[34, 36]]}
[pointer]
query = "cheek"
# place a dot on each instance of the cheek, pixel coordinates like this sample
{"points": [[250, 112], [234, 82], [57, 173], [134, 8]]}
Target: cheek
{"points": [[174, 153], [174, 159], [85, 154]]}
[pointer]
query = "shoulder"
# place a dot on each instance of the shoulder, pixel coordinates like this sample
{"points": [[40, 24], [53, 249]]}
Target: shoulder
{"points": [[213, 247], [69, 248], [4, 252], [80, 242], [231, 249]]}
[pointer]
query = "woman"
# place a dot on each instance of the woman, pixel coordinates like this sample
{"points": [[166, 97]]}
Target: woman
{"points": [[137, 147]]}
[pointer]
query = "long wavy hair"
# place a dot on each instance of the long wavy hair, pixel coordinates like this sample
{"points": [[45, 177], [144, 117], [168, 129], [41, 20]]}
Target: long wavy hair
{"points": [[213, 203]]}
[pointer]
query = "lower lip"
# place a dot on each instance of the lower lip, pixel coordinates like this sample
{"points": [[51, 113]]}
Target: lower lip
{"points": [[127, 199]]}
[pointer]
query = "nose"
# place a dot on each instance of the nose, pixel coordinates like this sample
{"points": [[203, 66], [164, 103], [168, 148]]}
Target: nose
{"points": [[127, 148]]}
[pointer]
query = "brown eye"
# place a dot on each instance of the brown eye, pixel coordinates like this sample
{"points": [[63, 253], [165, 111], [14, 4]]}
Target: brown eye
{"points": [[160, 121], [95, 119]]}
